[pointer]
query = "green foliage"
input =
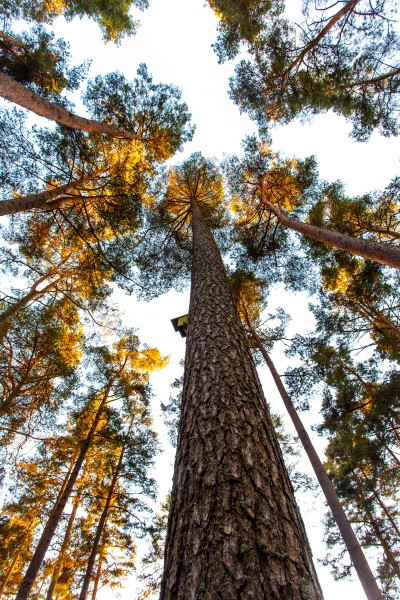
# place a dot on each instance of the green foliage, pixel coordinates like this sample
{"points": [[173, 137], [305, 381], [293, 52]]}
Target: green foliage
{"points": [[40, 62], [240, 20], [112, 17], [348, 65], [150, 110]]}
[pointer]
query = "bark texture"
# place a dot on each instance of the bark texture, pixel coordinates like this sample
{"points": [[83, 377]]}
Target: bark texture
{"points": [[15, 92], [234, 528], [357, 556], [377, 251]]}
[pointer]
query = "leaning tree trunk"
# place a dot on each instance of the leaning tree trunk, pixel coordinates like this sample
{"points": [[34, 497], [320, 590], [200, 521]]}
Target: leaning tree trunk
{"points": [[15, 92], [65, 543], [357, 556], [377, 251], [234, 528], [98, 575], [55, 515], [100, 528], [46, 199]]}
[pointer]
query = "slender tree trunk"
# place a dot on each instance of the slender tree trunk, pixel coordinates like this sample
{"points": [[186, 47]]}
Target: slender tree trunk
{"points": [[357, 556], [383, 542], [387, 513], [100, 528], [15, 92], [17, 554], [234, 527], [13, 309], [64, 546], [98, 575], [43, 199], [348, 7], [54, 518], [377, 79], [377, 251]]}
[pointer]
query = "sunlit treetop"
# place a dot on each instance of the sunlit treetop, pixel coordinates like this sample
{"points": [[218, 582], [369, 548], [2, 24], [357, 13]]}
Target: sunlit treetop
{"points": [[196, 180], [261, 174], [113, 16]]}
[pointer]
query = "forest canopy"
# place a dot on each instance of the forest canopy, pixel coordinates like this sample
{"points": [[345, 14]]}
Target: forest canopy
{"points": [[294, 304]]}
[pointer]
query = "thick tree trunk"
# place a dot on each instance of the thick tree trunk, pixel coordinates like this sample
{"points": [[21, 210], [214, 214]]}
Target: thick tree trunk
{"points": [[54, 518], [43, 199], [234, 527], [15, 92], [100, 529], [357, 556], [377, 251]]}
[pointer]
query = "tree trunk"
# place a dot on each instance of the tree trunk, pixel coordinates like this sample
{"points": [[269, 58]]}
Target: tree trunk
{"points": [[234, 527], [64, 546], [31, 295], [54, 518], [377, 251], [384, 544], [357, 556], [100, 528], [15, 92], [348, 7], [98, 575], [10, 569], [42, 199]]}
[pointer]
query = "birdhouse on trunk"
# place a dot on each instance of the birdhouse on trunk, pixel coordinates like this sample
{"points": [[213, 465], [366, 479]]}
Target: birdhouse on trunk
{"points": [[181, 324]]}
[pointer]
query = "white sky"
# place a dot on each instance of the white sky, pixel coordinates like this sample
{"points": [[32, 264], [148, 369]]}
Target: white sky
{"points": [[175, 42]]}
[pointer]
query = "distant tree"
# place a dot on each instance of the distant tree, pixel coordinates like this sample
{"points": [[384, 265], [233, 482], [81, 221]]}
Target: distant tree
{"points": [[39, 354], [141, 111], [240, 20], [113, 18], [124, 368]]}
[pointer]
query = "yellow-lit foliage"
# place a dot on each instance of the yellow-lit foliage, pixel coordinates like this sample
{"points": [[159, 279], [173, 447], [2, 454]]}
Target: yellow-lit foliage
{"points": [[248, 292], [196, 180]]}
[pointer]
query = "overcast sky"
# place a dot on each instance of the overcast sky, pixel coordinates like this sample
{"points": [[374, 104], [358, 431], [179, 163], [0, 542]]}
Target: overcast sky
{"points": [[175, 42]]}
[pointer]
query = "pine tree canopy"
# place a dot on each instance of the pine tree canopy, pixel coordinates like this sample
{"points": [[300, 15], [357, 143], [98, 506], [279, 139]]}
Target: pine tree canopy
{"points": [[275, 237]]}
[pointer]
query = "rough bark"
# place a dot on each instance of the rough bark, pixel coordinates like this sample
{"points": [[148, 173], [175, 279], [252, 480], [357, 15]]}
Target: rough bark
{"points": [[100, 529], [15, 92], [356, 553], [44, 199], [234, 528], [377, 251], [55, 516]]}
